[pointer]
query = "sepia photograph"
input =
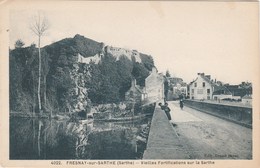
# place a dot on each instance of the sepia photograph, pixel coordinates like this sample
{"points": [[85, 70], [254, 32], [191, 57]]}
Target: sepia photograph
{"points": [[161, 83]]}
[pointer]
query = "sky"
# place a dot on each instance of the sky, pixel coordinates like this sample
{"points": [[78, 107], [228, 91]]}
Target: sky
{"points": [[217, 38]]}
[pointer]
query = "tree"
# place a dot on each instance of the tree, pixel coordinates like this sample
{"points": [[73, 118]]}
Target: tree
{"points": [[166, 88], [39, 26], [19, 44]]}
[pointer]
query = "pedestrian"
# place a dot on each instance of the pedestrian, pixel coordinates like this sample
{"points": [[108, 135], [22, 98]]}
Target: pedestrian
{"points": [[162, 106], [181, 104], [166, 110]]}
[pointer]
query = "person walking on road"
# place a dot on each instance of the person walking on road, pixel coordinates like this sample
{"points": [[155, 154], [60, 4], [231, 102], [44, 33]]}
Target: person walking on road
{"points": [[181, 104]]}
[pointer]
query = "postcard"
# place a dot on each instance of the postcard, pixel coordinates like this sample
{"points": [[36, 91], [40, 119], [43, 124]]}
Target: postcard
{"points": [[129, 83]]}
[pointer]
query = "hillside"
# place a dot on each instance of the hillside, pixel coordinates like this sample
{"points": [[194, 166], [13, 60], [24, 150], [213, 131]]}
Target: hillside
{"points": [[76, 72]]}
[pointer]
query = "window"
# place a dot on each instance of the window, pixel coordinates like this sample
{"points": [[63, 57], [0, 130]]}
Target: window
{"points": [[208, 91], [203, 84], [195, 84], [208, 97], [192, 91]]}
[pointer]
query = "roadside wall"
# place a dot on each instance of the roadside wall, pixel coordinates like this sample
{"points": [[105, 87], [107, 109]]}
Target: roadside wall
{"points": [[237, 114]]}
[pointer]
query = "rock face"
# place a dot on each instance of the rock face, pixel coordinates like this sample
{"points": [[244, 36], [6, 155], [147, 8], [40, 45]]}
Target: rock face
{"points": [[78, 94]]}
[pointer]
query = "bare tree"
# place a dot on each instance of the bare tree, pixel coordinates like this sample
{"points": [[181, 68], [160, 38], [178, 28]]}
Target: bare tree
{"points": [[39, 26]]}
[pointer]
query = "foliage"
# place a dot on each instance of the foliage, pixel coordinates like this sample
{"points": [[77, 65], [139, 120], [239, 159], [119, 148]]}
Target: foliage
{"points": [[167, 74], [19, 44], [147, 61], [166, 87], [140, 73]]}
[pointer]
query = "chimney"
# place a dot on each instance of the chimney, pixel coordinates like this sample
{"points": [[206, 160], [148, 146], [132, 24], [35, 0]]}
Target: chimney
{"points": [[198, 73], [202, 74]]}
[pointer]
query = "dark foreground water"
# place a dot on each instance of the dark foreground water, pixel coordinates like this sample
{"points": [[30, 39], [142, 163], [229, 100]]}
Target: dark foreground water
{"points": [[52, 139]]}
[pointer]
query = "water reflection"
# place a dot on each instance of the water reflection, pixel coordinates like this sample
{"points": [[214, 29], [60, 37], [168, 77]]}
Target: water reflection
{"points": [[53, 139]]}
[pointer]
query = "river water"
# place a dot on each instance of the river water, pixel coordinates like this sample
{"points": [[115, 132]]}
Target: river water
{"points": [[53, 139]]}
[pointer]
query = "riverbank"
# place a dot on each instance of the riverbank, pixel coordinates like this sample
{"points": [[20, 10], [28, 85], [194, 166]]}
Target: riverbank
{"points": [[28, 115], [66, 117], [124, 118]]}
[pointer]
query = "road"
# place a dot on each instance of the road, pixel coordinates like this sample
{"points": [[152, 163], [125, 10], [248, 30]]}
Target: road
{"points": [[207, 137]]}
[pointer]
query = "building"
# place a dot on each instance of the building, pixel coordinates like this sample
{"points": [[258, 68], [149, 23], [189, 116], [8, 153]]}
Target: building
{"points": [[180, 89], [177, 88], [204, 88], [201, 88], [247, 99], [174, 80], [118, 52], [135, 93], [221, 92], [154, 86], [239, 91], [86, 60]]}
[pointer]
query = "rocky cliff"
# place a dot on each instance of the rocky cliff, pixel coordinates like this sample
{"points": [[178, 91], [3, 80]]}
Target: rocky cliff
{"points": [[76, 72]]}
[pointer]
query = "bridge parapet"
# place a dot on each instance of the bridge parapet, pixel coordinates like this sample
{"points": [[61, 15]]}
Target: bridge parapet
{"points": [[238, 114], [163, 141]]}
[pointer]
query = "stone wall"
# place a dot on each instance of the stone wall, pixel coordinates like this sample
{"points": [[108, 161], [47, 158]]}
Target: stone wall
{"points": [[237, 114], [118, 52], [95, 59]]}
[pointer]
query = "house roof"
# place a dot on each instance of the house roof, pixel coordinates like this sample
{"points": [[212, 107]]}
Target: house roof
{"points": [[139, 89], [237, 91], [221, 90], [247, 97], [204, 78]]}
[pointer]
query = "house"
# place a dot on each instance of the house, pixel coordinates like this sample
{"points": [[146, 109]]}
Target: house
{"points": [[247, 99], [204, 88], [221, 92], [154, 86], [135, 93], [180, 89], [177, 88], [174, 80], [239, 91], [201, 88]]}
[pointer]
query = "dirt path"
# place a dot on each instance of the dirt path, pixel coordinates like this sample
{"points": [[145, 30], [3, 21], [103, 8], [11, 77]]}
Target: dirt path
{"points": [[208, 137]]}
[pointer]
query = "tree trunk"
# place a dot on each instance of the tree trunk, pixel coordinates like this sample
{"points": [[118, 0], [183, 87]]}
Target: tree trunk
{"points": [[39, 138], [39, 79], [44, 93], [33, 75]]}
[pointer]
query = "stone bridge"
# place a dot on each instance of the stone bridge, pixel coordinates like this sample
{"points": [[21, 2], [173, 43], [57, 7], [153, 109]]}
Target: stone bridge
{"points": [[193, 134]]}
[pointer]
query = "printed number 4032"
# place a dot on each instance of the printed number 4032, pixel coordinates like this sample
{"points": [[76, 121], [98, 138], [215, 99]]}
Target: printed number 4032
{"points": [[56, 162]]}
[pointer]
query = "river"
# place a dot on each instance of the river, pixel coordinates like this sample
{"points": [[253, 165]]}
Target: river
{"points": [[45, 139]]}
